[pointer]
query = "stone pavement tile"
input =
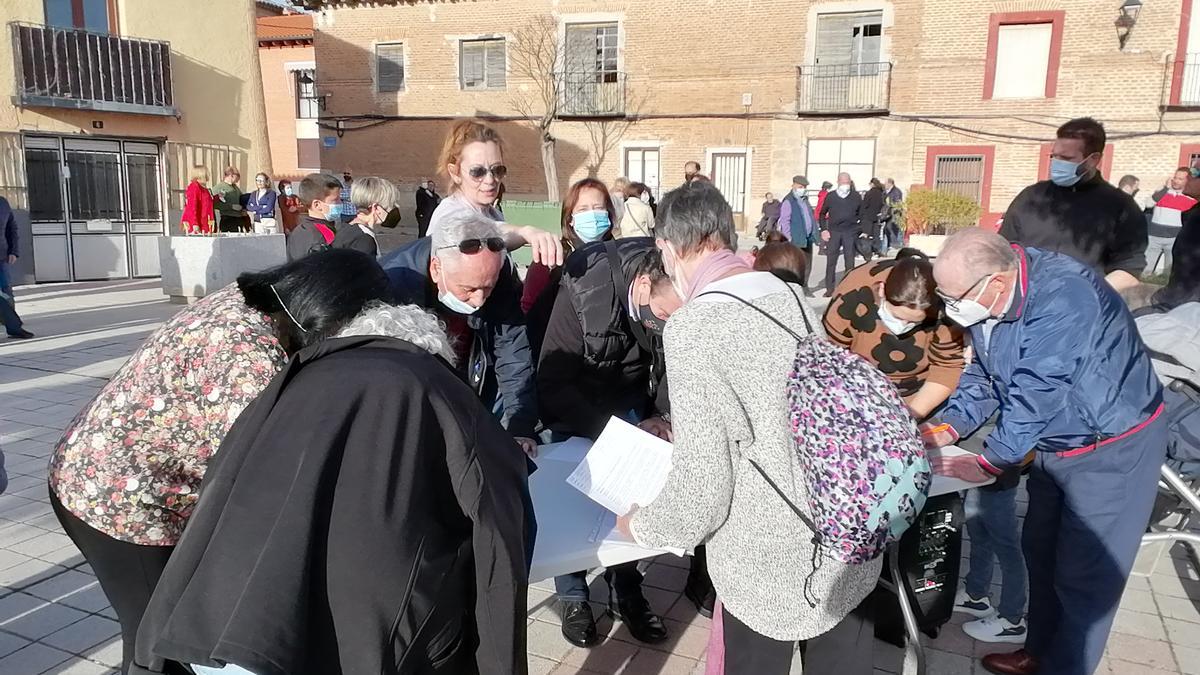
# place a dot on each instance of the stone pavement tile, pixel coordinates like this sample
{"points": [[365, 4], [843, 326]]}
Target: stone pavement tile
{"points": [[1135, 649], [666, 577], [109, 653], [1163, 584], [10, 643], [568, 669], [17, 533], [661, 601], [28, 573], [1188, 657], [91, 599], [1116, 667], [540, 666], [62, 587], [41, 544], [42, 620], [1139, 624], [1139, 601], [939, 662], [32, 660], [953, 640], [1183, 632], [536, 599], [83, 635], [65, 556], [651, 662], [546, 640], [670, 560], [609, 656], [1179, 608], [888, 657], [685, 640], [1138, 582], [80, 667], [684, 610]]}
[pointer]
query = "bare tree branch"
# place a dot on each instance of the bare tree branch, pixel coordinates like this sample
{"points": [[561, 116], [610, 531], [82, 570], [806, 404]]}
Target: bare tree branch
{"points": [[606, 134], [534, 56]]}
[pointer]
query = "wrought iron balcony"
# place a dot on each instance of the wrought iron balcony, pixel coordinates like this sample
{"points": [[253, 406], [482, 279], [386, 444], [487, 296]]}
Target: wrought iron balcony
{"points": [[591, 94], [847, 89], [71, 68], [1189, 80]]}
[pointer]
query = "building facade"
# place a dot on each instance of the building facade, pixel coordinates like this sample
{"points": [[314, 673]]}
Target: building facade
{"points": [[285, 51], [110, 106], [928, 92]]}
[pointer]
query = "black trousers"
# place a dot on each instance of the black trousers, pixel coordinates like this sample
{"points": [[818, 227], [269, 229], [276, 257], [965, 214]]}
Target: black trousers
{"points": [[840, 241], [127, 572], [846, 649]]}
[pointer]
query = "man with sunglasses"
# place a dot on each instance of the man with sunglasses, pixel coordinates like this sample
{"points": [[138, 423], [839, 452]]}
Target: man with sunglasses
{"points": [[1078, 212], [1059, 361], [462, 274]]}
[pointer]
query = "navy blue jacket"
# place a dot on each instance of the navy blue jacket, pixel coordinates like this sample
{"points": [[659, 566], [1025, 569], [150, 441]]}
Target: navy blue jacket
{"points": [[1065, 366], [8, 222], [500, 352]]}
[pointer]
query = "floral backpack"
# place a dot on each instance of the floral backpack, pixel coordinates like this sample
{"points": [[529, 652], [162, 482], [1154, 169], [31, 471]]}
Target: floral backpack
{"points": [[864, 463]]}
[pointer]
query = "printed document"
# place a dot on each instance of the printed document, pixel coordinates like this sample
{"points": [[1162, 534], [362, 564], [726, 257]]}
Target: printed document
{"points": [[625, 466]]}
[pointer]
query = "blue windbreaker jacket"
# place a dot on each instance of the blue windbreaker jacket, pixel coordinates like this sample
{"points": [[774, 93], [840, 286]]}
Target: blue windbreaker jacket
{"points": [[1065, 366]]}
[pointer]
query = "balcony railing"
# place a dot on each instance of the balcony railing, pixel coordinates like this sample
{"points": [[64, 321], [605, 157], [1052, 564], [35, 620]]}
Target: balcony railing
{"points": [[853, 88], [70, 68], [592, 94], [1189, 89]]}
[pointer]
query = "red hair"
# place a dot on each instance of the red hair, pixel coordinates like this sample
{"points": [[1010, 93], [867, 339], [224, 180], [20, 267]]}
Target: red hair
{"points": [[569, 238]]}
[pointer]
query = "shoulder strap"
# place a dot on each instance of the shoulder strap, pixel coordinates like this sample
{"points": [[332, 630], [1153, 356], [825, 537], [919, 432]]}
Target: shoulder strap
{"points": [[777, 322], [799, 514], [621, 289]]}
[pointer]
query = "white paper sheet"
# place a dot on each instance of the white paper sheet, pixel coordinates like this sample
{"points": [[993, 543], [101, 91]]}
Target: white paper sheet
{"points": [[625, 466], [941, 485]]}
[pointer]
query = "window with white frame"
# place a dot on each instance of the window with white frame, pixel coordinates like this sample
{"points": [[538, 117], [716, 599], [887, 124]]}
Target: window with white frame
{"points": [[592, 49], [642, 166], [307, 101], [389, 67], [827, 157], [1022, 60], [481, 64]]}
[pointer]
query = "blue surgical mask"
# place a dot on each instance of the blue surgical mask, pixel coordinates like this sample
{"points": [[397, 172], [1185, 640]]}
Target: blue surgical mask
{"points": [[1065, 173], [287, 190], [591, 225], [454, 304]]}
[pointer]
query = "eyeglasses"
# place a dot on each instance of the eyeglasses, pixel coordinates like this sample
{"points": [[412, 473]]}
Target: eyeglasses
{"points": [[951, 301], [473, 246], [478, 172]]}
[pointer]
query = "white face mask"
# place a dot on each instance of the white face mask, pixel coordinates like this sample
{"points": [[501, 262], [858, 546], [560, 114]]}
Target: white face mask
{"points": [[452, 302], [896, 326], [843, 191], [645, 197], [967, 313]]}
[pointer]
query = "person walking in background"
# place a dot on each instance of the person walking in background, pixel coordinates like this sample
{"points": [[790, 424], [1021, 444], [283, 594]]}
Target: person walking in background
{"points": [[638, 220], [260, 204], [427, 203], [893, 198], [826, 186], [619, 193], [229, 202], [289, 206], [1132, 186], [1166, 220], [797, 223], [1183, 284], [872, 212], [770, 216], [346, 212], [840, 221], [320, 194], [1078, 213], [8, 301], [376, 204], [1059, 358], [198, 215]]}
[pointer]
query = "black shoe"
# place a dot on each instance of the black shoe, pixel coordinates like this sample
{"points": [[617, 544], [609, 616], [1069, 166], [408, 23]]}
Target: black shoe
{"points": [[702, 594], [21, 335], [578, 624], [644, 625]]}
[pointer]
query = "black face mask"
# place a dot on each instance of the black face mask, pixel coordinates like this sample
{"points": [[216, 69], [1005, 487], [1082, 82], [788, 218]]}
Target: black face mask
{"points": [[392, 219], [650, 320]]}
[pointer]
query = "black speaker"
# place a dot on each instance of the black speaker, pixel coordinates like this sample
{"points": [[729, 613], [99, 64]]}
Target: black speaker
{"points": [[930, 555]]}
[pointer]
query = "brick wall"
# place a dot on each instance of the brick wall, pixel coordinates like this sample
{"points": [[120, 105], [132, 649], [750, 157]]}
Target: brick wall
{"points": [[279, 90]]}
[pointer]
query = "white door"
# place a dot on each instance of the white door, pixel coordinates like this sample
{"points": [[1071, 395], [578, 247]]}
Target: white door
{"points": [[642, 166], [728, 173]]}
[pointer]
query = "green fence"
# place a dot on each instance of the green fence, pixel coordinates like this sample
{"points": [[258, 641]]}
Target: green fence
{"points": [[542, 215]]}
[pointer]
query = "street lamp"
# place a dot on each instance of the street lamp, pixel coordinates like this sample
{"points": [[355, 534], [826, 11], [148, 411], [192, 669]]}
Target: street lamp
{"points": [[1126, 20], [322, 99]]}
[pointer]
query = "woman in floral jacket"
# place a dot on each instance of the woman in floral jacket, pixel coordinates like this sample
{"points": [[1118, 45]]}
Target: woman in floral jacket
{"points": [[125, 475]]}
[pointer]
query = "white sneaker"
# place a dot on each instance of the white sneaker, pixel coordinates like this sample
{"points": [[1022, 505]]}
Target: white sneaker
{"points": [[996, 629], [965, 604]]}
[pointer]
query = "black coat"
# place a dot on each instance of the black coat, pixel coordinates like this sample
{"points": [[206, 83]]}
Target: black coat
{"points": [[1183, 285], [364, 515], [351, 236], [426, 203], [305, 238], [593, 363], [872, 206], [1091, 221]]}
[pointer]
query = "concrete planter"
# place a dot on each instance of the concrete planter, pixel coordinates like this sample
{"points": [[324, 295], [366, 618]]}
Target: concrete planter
{"points": [[929, 244], [195, 266]]}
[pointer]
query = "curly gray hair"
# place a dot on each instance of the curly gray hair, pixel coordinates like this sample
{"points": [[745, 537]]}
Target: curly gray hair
{"points": [[406, 322]]}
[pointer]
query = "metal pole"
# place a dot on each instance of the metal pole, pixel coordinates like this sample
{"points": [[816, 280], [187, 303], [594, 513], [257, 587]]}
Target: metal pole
{"points": [[910, 619]]}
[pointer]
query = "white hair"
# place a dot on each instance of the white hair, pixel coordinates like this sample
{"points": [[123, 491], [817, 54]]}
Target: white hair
{"points": [[459, 226], [406, 322], [369, 190]]}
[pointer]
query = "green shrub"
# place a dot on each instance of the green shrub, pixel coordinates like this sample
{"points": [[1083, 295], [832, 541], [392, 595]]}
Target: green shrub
{"points": [[938, 212]]}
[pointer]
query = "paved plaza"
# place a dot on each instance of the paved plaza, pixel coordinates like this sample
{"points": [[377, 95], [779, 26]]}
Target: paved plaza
{"points": [[55, 619]]}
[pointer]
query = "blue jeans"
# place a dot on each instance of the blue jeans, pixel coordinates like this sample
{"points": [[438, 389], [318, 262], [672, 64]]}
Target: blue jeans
{"points": [[8, 303], [992, 525], [1086, 517]]}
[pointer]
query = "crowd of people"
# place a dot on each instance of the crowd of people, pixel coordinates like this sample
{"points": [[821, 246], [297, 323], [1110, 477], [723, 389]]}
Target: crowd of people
{"points": [[323, 468]]}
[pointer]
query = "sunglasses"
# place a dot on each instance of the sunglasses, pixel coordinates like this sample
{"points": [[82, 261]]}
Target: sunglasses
{"points": [[473, 246], [478, 172]]}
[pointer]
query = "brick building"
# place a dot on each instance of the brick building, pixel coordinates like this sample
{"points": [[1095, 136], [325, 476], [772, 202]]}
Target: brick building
{"points": [[928, 92], [285, 54]]}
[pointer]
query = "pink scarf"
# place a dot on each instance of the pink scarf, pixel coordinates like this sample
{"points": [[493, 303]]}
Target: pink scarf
{"points": [[716, 266], [715, 658]]}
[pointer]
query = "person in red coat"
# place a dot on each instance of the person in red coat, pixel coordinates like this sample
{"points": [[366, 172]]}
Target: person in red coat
{"points": [[198, 215]]}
